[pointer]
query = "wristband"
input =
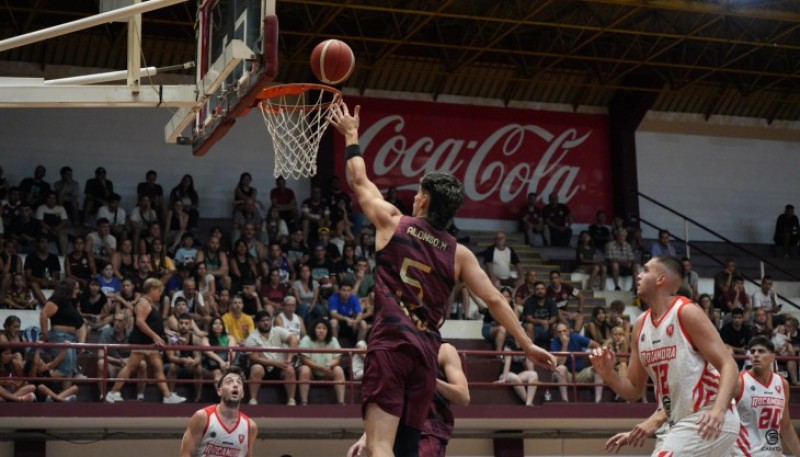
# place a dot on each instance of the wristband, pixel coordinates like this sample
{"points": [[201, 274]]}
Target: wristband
{"points": [[351, 151]]}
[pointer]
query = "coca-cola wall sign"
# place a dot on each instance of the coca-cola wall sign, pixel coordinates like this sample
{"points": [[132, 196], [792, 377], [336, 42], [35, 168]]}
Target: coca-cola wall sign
{"points": [[500, 154]]}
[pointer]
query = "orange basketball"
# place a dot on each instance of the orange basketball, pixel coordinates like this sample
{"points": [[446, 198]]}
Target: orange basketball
{"points": [[332, 61]]}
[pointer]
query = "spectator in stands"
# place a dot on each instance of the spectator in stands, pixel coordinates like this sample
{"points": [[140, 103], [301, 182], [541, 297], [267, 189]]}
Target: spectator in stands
{"points": [[691, 280], [306, 291], [491, 330], [277, 259], [531, 222], [619, 343], [238, 324], [558, 218], [12, 208], [283, 199], [187, 252], [273, 291], [589, 262], [110, 285], [787, 343], [172, 324], [61, 322], [126, 298], [18, 295], [787, 232], [54, 221], [68, 192], [160, 263], [117, 217], [153, 233], [42, 270], [599, 231], [526, 289], [324, 366], [251, 299], [502, 263], [761, 326], [575, 368], [248, 214], [26, 230], [111, 358], [346, 266], [215, 361], [316, 214], [616, 316], [366, 245], [216, 261], [242, 266], [275, 227], [346, 314], [363, 278], [12, 334], [95, 307], [207, 288], [766, 298], [154, 194], [79, 264], [255, 248], [38, 365], [288, 318], [539, 314], [186, 363], [176, 224], [271, 365], [392, 197], [149, 329], [561, 294], [736, 298], [323, 271], [10, 265], [332, 251], [101, 243], [244, 192], [141, 217], [723, 280], [736, 334], [12, 389], [522, 374], [197, 308], [599, 329], [185, 192], [97, 192], [707, 305], [621, 258], [663, 245], [33, 190]]}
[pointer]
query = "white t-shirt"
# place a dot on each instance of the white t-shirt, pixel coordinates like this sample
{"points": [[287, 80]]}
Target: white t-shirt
{"points": [[58, 211], [501, 263], [762, 300], [117, 217]]}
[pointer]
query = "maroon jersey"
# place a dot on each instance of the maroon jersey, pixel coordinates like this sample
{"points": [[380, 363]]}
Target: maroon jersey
{"points": [[415, 275], [562, 296]]}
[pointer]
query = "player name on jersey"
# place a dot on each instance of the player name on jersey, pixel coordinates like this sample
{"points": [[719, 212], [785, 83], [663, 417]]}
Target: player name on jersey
{"points": [[658, 355], [220, 451], [767, 401], [427, 237]]}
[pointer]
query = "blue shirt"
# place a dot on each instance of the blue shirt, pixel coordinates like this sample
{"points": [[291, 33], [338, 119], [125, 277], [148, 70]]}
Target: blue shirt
{"points": [[577, 343], [351, 308]]}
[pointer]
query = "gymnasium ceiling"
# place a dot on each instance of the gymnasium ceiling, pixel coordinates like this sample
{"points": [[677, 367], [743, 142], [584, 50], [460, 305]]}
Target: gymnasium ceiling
{"points": [[713, 57]]}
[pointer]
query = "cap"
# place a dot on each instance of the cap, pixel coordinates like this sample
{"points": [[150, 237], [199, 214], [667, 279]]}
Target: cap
{"points": [[323, 230]]}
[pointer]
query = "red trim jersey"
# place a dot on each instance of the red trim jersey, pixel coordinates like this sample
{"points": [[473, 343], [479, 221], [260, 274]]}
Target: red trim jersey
{"points": [[219, 441], [684, 381], [761, 408]]}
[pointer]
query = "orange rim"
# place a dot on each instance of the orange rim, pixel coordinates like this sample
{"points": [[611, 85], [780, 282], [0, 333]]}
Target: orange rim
{"points": [[271, 97]]}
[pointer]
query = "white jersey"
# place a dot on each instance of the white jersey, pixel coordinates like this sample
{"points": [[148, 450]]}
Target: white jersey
{"points": [[684, 381], [292, 325], [761, 409], [218, 441]]}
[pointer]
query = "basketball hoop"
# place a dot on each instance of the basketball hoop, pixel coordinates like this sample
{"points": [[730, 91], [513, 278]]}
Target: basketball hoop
{"points": [[296, 116]]}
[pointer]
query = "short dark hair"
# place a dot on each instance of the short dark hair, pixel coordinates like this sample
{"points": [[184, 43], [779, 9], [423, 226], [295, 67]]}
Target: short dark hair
{"points": [[555, 272], [185, 317], [762, 340], [538, 283], [261, 315], [230, 370], [446, 196], [737, 312], [346, 282], [672, 264]]}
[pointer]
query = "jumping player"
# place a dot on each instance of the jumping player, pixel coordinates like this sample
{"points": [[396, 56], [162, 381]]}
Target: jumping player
{"points": [[418, 263], [451, 388], [694, 374], [221, 429]]}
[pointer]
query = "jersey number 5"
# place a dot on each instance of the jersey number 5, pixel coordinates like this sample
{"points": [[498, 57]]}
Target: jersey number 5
{"points": [[408, 263]]}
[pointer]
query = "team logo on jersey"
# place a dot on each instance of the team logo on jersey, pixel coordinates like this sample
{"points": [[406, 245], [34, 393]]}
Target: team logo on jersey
{"points": [[241, 438], [773, 437], [753, 388], [778, 389], [642, 338], [670, 329], [213, 434]]}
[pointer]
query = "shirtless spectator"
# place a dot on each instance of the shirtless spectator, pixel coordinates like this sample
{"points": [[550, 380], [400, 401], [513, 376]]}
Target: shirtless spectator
{"points": [[54, 221], [283, 198], [68, 193], [502, 263], [558, 218], [531, 222], [97, 192], [621, 258]]}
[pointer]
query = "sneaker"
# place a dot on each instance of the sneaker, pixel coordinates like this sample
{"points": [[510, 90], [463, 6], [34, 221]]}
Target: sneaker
{"points": [[139, 397], [71, 398], [28, 398], [173, 399], [291, 402], [252, 401], [48, 399], [113, 397]]}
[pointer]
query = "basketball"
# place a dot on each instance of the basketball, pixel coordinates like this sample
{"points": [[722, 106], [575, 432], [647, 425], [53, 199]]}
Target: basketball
{"points": [[332, 61]]}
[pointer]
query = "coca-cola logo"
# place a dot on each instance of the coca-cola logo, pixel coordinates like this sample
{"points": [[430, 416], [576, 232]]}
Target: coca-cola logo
{"points": [[501, 155]]}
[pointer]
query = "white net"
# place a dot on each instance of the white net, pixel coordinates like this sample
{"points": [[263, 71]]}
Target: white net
{"points": [[296, 116]]}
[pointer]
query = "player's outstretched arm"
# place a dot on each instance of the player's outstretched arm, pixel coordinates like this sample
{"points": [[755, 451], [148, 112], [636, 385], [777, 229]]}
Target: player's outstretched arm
{"points": [[788, 433], [631, 387], [456, 388], [469, 270], [193, 434], [380, 212]]}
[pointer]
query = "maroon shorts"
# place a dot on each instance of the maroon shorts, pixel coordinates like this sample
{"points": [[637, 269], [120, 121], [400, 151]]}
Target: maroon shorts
{"points": [[430, 446], [401, 382]]}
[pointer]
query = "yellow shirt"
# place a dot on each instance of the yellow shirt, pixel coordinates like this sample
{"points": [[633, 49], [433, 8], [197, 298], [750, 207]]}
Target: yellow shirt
{"points": [[238, 328]]}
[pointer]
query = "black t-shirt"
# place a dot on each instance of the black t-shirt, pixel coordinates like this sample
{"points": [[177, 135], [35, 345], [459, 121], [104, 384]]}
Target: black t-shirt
{"points": [[736, 338], [38, 266], [546, 310]]}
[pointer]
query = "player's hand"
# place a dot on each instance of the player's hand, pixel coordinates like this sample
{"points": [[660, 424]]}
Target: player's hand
{"points": [[159, 341], [603, 361], [359, 448], [617, 442], [710, 423], [539, 355], [642, 431], [344, 122]]}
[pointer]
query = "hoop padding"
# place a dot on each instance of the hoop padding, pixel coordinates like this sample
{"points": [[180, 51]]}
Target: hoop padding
{"points": [[296, 116]]}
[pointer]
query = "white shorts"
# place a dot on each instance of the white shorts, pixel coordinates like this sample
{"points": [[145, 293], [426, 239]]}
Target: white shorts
{"points": [[683, 439]]}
